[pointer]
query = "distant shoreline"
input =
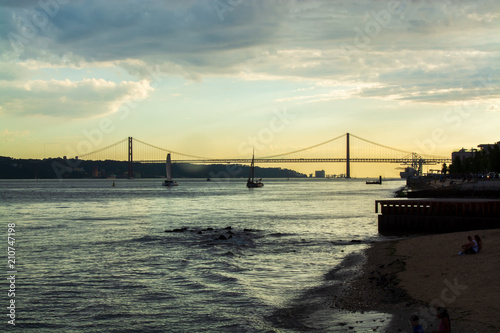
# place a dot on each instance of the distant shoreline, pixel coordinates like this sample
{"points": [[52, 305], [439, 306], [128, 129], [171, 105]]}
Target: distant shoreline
{"points": [[60, 168]]}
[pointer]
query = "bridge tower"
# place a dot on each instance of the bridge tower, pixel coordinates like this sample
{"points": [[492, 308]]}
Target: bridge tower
{"points": [[348, 159], [130, 158]]}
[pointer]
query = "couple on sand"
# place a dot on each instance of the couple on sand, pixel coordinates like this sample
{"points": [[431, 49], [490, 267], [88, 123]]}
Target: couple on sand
{"points": [[473, 246], [444, 322]]}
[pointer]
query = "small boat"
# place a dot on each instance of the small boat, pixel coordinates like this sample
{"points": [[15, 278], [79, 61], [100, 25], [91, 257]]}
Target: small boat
{"points": [[251, 183], [169, 181], [379, 181]]}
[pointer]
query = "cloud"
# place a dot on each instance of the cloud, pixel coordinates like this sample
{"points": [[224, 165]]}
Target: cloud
{"points": [[113, 30], [410, 54], [70, 99], [9, 136], [10, 71]]}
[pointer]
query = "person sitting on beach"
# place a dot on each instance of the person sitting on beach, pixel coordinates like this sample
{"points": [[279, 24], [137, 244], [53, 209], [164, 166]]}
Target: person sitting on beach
{"points": [[479, 243], [417, 328], [444, 321], [470, 248]]}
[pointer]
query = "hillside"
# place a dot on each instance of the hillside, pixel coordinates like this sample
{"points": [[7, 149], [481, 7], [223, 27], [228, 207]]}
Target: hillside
{"points": [[11, 168]]}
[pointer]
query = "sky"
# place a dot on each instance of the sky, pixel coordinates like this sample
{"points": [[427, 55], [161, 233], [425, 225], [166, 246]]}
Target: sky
{"points": [[217, 78]]}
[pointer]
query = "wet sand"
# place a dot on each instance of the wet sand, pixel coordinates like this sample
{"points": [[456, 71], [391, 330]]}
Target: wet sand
{"points": [[317, 309], [378, 290], [414, 275]]}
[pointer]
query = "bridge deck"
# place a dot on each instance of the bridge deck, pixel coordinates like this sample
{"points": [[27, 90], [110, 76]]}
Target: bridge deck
{"points": [[302, 160]]}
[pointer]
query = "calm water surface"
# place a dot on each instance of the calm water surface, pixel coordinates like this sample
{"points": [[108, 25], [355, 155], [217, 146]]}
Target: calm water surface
{"points": [[95, 258]]}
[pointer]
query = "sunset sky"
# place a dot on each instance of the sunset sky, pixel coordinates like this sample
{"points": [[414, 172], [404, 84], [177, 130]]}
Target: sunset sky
{"points": [[203, 77]]}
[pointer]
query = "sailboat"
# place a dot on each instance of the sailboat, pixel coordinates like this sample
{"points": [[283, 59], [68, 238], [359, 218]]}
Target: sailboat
{"points": [[251, 183], [379, 181], [169, 181]]}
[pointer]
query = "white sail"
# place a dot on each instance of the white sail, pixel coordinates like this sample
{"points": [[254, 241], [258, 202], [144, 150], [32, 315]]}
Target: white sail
{"points": [[169, 182]]}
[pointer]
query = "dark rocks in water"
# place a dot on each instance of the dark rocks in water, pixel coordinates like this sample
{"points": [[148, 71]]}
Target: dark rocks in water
{"points": [[178, 230], [250, 230], [218, 235], [224, 237], [356, 241]]}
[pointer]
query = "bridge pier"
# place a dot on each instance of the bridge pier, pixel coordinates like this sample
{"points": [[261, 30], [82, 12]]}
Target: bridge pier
{"points": [[130, 158], [348, 159]]}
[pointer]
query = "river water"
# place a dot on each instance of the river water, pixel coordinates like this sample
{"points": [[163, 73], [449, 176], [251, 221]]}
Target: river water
{"points": [[91, 257]]}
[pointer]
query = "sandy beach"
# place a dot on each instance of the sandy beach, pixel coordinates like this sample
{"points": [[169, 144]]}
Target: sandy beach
{"points": [[414, 275], [467, 285]]}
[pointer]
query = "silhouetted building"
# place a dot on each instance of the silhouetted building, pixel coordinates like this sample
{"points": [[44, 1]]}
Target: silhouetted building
{"points": [[320, 174], [470, 153], [489, 145], [463, 154], [95, 172]]}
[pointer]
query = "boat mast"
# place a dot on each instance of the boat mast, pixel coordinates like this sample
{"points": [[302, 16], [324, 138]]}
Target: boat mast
{"points": [[168, 168], [251, 173], [253, 165]]}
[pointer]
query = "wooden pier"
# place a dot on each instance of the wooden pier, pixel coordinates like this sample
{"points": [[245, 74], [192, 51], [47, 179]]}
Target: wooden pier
{"points": [[437, 215]]}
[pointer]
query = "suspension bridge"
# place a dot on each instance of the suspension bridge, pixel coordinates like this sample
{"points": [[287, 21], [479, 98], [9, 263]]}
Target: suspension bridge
{"points": [[346, 148]]}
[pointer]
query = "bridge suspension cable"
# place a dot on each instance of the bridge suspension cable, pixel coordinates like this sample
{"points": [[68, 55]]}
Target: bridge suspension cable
{"points": [[380, 145], [304, 149], [104, 148], [171, 151], [409, 155]]}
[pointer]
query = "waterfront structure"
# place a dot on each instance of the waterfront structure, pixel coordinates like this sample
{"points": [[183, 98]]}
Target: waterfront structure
{"points": [[437, 215], [320, 174], [463, 154]]}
